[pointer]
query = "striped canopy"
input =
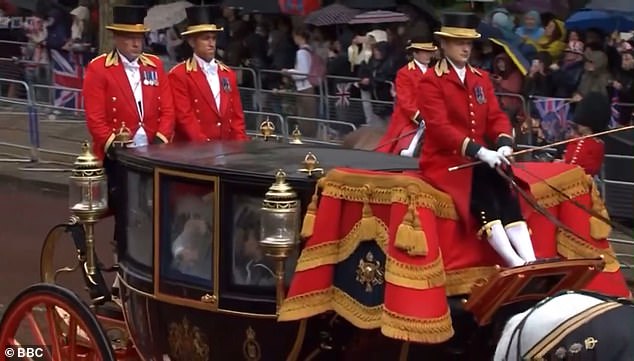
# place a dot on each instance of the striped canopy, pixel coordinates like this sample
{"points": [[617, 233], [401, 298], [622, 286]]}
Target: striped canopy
{"points": [[331, 15], [379, 17]]}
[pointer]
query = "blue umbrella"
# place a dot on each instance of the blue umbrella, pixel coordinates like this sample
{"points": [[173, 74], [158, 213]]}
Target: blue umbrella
{"points": [[516, 56], [602, 20], [489, 31]]}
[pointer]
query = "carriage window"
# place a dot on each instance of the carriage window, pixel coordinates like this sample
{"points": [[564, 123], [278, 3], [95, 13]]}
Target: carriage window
{"points": [[250, 266], [139, 214], [186, 231]]}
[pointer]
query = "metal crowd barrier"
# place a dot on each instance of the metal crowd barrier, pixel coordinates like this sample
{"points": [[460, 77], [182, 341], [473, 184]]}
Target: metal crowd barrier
{"points": [[32, 124]]}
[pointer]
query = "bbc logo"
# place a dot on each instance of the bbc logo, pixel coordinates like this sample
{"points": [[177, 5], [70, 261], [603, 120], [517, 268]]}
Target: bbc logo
{"points": [[35, 353]]}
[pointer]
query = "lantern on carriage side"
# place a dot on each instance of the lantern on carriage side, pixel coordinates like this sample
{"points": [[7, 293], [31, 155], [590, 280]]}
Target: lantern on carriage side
{"points": [[279, 233], [88, 197]]}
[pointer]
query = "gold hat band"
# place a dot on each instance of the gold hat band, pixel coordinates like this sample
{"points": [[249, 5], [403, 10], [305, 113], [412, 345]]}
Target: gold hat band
{"points": [[422, 46], [131, 28], [458, 32], [201, 28]]}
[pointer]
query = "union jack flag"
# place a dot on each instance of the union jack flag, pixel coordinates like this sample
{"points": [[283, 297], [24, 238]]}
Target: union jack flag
{"points": [[554, 114], [343, 94], [67, 73]]}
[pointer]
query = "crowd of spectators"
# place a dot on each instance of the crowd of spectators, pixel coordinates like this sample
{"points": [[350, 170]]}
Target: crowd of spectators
{"points": [[361, 61]]}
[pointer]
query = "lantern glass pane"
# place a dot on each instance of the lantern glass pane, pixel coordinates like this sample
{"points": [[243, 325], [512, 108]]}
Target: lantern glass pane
{"points": [[279, 226], [88, 195]]}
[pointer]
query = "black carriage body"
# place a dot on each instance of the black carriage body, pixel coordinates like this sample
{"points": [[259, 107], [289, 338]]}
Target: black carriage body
{"points": [[225, 299]]}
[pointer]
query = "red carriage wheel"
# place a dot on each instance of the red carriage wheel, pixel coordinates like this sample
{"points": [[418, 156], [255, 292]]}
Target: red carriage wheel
{"points": [[33, 318]]}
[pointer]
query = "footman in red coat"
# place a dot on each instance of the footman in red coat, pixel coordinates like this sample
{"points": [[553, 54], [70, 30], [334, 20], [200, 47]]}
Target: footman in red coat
{"points": [[127, 86], [592, 115], [406, 119], [465, 123], [205, 90]]}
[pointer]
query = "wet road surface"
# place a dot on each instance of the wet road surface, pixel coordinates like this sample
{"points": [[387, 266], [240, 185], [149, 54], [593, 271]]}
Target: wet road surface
{"points": [[26, 215]]}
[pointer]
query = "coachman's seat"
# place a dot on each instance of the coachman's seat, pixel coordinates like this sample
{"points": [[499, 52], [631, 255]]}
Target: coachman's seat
{"points": [[385, 251]]}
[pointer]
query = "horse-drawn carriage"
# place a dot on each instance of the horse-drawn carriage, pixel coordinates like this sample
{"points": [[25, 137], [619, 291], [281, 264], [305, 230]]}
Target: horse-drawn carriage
{"points": [[362, 260]]}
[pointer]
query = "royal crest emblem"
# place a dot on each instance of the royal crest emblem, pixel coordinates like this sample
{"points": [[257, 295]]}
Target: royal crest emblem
{"points": [[251, 348], [479, 94], [369, 272], [187, 342]]}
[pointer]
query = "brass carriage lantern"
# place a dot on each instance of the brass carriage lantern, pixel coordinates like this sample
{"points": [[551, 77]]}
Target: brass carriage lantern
{"points": [[280, 227], [88, 198]]}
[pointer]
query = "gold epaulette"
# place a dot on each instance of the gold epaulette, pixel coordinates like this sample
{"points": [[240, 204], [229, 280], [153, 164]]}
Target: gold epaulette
{"points": [[411, 65], [146, 59], [191, 65], [112, 59], [474, 70], [222, 66], [441, 68]]}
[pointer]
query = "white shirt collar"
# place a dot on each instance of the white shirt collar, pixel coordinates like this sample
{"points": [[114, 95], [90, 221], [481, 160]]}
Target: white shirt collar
{"points": [[208, 67], [127, 63], [421, 66], [462, 72]]}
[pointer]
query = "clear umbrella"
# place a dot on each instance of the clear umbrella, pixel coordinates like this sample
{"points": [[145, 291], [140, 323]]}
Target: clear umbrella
{"points": [[166, 15]]}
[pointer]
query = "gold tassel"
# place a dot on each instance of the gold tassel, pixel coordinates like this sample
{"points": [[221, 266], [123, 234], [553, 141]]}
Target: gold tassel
{"points": [[598, 228], [369, 227], [308, 225], [409, 235]]}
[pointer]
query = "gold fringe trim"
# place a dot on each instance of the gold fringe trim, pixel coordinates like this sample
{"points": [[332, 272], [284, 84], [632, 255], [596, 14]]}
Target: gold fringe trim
{"points": [[331, 299], [410, 237], [572, 247], [388, 189], [572, 183], [308, 225], [460, 282], [436, 330], [338, 250], [598, 228], [393, 325], [418, 277]]}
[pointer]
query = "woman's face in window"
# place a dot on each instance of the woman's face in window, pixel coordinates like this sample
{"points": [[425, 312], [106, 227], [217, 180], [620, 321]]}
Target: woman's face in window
{"points": [[550, 29]]}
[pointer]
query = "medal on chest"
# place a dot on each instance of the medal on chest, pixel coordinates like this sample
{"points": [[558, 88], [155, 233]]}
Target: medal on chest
{"points": [[150, 78]]}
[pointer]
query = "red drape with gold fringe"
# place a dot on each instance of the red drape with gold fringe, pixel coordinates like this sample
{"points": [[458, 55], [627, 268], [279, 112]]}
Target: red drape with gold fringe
{"points": [[428, 255]]}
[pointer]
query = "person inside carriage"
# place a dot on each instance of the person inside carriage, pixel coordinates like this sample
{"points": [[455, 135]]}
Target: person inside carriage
{"points": [[405, 130], [465, 122]]}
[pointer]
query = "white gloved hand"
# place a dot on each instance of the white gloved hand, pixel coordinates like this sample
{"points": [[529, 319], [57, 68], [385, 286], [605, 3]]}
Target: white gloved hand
{"points": [[493, 159], [505, 151]]}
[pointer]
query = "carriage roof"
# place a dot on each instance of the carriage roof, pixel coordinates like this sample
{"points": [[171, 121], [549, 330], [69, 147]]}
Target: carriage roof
{"points": [[259, 158]]}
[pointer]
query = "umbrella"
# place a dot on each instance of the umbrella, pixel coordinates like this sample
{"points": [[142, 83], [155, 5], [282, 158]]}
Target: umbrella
{"points": [[166, 15], [626, 6], [516, 56], [370, 5], [489, 31], [379, 17], [602, 20], [331, 15]]}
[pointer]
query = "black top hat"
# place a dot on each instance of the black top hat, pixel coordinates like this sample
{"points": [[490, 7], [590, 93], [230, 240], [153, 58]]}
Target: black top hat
{"points": [[459, 26], [128, 19], [200, 19], [421, 42], [593, 111]]}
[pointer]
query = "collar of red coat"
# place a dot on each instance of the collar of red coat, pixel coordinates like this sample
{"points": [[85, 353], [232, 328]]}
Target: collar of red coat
{"points": [[112, 59], [192, 65], [442, 68]]}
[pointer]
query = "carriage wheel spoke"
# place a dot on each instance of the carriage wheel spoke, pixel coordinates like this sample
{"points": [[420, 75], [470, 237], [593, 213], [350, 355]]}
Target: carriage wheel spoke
{"points": [[51, 317], [39, 337], [72, 338]]}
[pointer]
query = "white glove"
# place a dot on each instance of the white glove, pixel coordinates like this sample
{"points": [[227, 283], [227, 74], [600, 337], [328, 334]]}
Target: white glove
{"points": [[505, 151], [493, 159]]}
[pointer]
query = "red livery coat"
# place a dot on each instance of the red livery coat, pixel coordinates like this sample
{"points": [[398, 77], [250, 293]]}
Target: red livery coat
{"points": [[586, 153], [198, 118], [109, 101], [460, 118], [406, 114]]}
